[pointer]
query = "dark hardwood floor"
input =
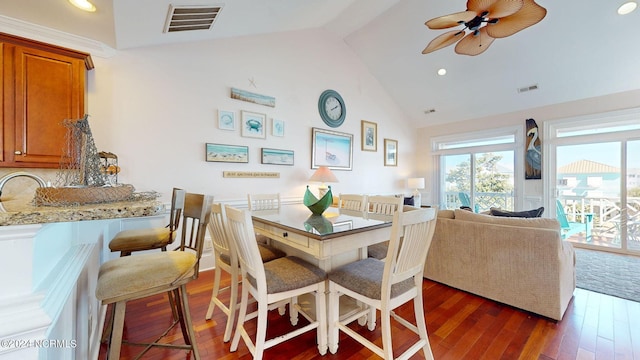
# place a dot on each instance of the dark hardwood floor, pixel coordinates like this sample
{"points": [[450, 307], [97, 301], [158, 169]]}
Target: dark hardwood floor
{"points": [[460, 325]]}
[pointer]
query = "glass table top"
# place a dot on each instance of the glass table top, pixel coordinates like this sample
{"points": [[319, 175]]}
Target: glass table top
{"points": [[332, 223]]}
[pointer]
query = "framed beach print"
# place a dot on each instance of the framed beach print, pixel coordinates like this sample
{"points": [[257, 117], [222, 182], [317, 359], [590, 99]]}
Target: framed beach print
{"points": [[369, 136], [254, 125], [226, 120], [277, 127], [277, 156], [227, 153], [390, 152], [331, 149]]}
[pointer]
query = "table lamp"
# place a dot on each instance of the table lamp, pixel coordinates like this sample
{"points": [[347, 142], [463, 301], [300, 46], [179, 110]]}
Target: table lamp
{"points": [[323, 175], [415, 184]]}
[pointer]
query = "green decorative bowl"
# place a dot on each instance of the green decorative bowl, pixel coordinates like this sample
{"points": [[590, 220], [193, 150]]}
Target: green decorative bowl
{"points": [[316, 206]]}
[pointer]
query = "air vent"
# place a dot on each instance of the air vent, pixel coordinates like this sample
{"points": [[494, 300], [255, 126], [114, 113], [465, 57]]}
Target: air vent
{"points": [[528, 88], [189, 18]]}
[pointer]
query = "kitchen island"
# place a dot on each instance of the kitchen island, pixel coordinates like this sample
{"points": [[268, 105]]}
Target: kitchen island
{"points": [[49, 261]]}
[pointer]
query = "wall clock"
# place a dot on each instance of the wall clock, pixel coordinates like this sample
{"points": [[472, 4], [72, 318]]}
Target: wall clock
{"points": [[331, 108]]}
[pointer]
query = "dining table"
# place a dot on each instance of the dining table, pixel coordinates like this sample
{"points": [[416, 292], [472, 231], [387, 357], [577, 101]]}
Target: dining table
{"points": [[335, 238]]}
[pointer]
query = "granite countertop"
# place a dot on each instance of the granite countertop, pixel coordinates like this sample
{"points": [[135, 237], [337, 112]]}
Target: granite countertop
{"points": [[21, 211]]}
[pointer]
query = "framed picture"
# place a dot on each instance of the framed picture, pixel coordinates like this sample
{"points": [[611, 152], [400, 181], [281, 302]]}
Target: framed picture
{"points": [[227, 153], [254, 124], [331, 149], [390, 152], [226, 120], [277, 127], [369, 136], [277, 156]]}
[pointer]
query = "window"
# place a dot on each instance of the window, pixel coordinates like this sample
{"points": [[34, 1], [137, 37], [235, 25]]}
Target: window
{"points": [[479, 170]]}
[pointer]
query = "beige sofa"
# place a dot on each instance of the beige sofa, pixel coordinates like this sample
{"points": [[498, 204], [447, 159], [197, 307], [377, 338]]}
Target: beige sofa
{"points": [[516, 261]]}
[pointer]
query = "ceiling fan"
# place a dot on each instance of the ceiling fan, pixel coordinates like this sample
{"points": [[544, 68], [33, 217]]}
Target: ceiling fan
{"points": [[486, 20]]}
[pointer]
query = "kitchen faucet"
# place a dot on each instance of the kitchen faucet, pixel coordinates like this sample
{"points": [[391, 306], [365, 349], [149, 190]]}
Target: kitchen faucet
{"points": [[12, 175]]}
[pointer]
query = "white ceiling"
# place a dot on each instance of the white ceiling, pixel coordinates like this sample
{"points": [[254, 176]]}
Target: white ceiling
{"points": [[581, 49]]}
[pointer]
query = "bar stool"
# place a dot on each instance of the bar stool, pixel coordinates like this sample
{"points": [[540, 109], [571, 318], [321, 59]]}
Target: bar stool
{"points": [[128, 241], [134, 277]]}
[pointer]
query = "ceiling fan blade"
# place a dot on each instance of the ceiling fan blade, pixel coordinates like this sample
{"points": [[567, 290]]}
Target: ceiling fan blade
{"points": [[450, 20], [473, 44], [503, 8], [530, 14], [443, 40]]}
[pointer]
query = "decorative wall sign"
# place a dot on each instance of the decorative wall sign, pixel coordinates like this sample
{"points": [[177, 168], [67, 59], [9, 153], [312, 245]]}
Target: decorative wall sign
{"points": [[251, 174], [277, 127], [533, 155], [332, 149], [253, 97], [369, 136], [390, 152], [227, 153], [277, 156], [226, 120], [254, 125]]}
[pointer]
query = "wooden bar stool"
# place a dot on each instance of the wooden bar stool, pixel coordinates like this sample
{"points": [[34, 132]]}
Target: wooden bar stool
{"points": [[128, 241], [134, 277]]}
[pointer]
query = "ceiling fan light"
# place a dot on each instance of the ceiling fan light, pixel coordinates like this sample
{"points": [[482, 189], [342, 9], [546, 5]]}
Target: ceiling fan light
{"points": [[442, 72], [627, 7], [83, 5]]}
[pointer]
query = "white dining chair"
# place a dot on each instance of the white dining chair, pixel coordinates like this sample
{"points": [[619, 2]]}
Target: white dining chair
{"points": [[264, 201], [272, 283], [226, 259], [352, 204], [382, 208], [386, 285]]}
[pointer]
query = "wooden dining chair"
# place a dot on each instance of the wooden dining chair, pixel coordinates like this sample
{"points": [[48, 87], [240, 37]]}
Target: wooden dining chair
{"points": [[226, 259], [134, 277], [264, 201], [271, 283], [382, 208], [352, 204], [386, 285]]}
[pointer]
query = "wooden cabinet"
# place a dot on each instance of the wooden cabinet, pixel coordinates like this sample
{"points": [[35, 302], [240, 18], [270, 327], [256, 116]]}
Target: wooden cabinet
{"points": [[42, 85]]}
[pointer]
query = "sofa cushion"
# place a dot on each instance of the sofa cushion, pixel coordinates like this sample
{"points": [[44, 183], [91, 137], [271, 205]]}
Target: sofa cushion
{"points": [[544, 223], [446, 214], [533, 213]]}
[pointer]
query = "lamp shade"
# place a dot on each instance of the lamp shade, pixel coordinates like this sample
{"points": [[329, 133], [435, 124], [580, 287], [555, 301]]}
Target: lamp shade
{"points": [[324, 175], [415, 183]]}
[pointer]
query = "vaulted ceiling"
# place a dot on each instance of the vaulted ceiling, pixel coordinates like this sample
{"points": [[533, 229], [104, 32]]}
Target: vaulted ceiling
{"points": [[581, 49]]}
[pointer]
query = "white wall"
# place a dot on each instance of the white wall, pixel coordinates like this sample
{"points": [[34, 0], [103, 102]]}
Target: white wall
{"points": [[156, 107]]}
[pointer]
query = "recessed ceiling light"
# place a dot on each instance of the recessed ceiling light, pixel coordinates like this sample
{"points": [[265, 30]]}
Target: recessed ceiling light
{"points": [[83, 5], [627, 7], [442, 72]]}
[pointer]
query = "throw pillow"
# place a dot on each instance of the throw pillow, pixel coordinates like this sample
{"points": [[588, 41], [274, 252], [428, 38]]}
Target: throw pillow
{"points": [[525, 214], [408, 201]]}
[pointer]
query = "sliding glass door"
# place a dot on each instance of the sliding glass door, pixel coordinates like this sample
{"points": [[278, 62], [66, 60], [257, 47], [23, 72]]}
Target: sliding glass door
{"points": [[595, 172]]}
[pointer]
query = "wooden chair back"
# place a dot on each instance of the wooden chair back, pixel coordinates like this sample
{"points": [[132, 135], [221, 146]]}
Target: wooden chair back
{"points": [[263, 201], [240, 227], [195, 219], [356, 203]]}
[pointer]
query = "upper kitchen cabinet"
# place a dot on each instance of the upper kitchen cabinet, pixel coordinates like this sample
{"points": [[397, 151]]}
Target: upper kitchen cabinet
{"points": [[42, 85]]}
